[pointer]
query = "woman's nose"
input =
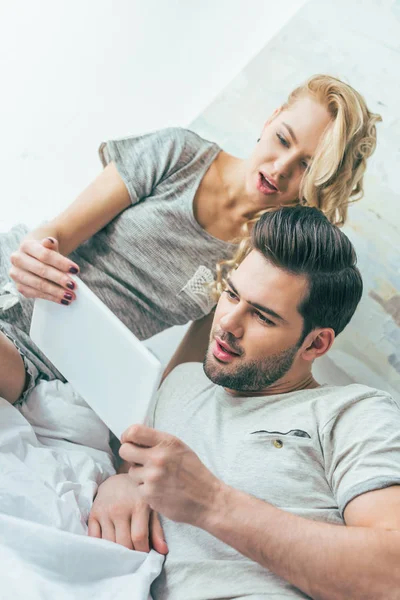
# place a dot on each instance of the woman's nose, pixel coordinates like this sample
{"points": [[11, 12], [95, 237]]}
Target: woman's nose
{"points": [[284, 165]]}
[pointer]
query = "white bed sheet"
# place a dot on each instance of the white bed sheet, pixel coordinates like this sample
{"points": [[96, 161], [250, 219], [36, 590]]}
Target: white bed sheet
{"points": [[54, 452]]}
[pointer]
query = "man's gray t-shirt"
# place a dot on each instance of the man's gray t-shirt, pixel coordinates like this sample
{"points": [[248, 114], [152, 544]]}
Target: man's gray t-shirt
{"points": [[152, 263], [308, 452]]}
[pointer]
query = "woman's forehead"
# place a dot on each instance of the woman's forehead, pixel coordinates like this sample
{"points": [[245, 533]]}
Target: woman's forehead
{"points": [[308, 120]]}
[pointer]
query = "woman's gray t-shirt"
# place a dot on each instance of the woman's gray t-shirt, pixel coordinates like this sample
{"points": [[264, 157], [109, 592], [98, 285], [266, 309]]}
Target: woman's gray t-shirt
{"points": [[151, 263]]}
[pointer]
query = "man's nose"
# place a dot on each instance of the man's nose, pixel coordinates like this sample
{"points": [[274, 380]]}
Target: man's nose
{"points": [[232, 322]]}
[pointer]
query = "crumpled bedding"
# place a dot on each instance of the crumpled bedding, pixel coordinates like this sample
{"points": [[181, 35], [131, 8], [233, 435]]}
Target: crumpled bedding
{"points": [[54, 453]]}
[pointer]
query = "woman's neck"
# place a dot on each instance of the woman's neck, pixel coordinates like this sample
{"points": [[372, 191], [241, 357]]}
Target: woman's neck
{"points": [[222, 204], [230, 178]]}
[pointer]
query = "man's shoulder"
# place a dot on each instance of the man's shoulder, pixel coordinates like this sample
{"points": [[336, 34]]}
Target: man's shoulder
{"points": [[353, 391], [185, 378], [183, 387], [349, 402]]}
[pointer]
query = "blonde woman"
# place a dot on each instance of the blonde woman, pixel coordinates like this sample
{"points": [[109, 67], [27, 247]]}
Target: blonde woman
{"points": [[147, 234]]}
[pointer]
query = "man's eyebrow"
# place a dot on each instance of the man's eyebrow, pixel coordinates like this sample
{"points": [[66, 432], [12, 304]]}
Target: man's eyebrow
{"points": [[259, 307]]}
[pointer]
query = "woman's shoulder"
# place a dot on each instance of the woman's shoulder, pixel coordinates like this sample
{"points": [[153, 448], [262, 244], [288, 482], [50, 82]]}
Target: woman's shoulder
{"points": [[188, 139], [169, 146]]}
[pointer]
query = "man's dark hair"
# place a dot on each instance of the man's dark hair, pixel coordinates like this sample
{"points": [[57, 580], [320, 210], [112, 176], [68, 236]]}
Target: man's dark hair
{"points": [[302, 241]]}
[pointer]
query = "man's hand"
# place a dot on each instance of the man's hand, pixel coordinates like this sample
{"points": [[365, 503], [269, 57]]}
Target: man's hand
{"points": [[169, 476], [120, 515]]}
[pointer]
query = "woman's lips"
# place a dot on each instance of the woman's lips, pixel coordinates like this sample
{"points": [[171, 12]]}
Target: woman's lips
{"points": [[222, 353], [264, 187]]}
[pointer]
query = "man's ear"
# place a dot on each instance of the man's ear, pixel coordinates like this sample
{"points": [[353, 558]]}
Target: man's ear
{"points": [[317, 343]]}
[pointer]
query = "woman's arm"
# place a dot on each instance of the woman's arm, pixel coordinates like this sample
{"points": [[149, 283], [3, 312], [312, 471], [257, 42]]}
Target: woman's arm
{"points": [[39, 268], [193, 346], [96, 206], [12, 371]]}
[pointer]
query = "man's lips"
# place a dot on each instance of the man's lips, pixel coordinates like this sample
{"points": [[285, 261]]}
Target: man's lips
{"points": [[266, 185], [222, 351]]}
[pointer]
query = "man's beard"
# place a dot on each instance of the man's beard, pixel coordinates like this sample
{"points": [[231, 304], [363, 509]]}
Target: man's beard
{"points": [[252, 376]]}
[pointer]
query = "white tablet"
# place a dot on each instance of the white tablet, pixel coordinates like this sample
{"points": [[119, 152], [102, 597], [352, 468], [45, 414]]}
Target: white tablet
{"points": [[103, 360]]}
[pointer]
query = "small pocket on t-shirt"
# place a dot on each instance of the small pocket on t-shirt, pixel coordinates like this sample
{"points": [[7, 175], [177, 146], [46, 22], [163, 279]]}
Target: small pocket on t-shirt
{"points": [[280, 467], [197, 291], [295, 432]]}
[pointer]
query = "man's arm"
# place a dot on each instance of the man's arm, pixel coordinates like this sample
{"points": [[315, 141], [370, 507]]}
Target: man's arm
{"points": [[328, 562]]}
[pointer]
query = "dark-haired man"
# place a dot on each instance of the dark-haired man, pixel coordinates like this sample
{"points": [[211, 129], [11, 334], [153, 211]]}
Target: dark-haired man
{"points": [[253, 466]]}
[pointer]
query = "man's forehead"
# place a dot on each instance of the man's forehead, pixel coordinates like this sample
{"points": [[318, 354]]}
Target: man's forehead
{"points": [[258, 281]]}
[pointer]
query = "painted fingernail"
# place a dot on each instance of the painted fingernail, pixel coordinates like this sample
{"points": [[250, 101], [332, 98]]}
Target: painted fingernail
{"points": [[68, 297], [70, 285], [73, 270], [65, 302]]}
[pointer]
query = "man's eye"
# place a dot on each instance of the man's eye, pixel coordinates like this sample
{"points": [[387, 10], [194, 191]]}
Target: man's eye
{"points": [[230, 294], [264, 319], [282, 140]]}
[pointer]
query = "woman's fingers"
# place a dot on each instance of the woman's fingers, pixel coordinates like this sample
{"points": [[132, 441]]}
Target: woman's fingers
{"points": [[46, 273], [33, 293], [39, 271], [47, 253], [32, 286]]}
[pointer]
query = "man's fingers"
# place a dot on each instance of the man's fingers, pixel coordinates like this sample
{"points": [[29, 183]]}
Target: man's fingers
{"points": [[123, 533], [133, 454], [107, 530], [137, 475], [157, 535], [94, 529], [140, 529], [144, 436]]}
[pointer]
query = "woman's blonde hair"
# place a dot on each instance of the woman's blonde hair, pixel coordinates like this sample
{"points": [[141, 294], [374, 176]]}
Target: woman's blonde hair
{"points": [[335, 176]]}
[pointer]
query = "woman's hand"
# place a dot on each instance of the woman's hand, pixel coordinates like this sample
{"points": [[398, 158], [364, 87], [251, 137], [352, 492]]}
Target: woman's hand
{"points": [[40, 271], [120, 515]]}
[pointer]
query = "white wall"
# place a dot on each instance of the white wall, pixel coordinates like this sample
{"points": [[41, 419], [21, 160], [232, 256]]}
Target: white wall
{"points": [[77, 72]]}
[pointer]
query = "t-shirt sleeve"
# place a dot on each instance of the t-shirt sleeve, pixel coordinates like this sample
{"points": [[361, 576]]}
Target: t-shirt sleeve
{"points": [[144, 161], [361, 446]]}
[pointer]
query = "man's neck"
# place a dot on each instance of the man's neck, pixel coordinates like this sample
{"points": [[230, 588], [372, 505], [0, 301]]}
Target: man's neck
{"points": [[282, 386]]}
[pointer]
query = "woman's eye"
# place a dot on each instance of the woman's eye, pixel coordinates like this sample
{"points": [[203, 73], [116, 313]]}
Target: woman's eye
{"points": [[282, 140], [304, 164]]}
